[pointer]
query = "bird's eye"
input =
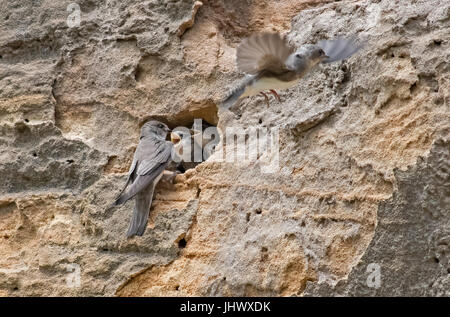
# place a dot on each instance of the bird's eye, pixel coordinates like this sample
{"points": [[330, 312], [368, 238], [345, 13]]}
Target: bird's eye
{"points": [[160, 126], [298, 55]]}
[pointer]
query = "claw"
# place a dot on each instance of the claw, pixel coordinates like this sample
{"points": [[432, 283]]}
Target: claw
{"points": [[267, 98], [273, 92]]}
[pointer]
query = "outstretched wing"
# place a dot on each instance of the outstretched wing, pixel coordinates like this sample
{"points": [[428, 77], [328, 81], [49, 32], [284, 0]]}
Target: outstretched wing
{"points": [[339, 48], [265, 51]]}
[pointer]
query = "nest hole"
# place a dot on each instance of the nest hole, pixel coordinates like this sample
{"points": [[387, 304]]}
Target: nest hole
{"points": [[182, 243], [194, 135]]}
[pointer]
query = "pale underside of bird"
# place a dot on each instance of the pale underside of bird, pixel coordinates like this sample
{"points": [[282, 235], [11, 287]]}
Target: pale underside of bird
{"points": [[151, 157], [271, 63]]}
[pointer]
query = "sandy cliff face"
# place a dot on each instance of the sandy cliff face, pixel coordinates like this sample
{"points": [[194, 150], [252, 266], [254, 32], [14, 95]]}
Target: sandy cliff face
{"points": [[364, 172]]}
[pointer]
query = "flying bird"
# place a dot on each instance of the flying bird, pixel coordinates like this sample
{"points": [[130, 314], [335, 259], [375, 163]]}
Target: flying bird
{"points": [[151, 157], [271, 63]]}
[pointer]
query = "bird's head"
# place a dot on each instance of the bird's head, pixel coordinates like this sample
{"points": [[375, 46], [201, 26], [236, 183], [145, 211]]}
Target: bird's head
{"points": [[154, 128], [306, 57], [182, 140], [316, 54], [313, 53], [179, 136]]}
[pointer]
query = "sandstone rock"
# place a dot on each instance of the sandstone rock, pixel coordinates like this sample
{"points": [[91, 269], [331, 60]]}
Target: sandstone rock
{"points": [[363, 171]]}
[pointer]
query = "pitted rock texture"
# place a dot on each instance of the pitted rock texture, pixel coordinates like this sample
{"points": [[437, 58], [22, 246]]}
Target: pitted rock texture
{"points": [[412, 238], [363, 163]]}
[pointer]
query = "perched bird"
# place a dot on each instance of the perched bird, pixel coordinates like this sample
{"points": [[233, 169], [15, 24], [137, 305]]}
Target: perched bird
{"points": [[151, 157], [271, 63]]}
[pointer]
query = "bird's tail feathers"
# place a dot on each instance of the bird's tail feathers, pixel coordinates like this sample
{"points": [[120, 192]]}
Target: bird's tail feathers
{"points": [[233, 96], [141, 211]]}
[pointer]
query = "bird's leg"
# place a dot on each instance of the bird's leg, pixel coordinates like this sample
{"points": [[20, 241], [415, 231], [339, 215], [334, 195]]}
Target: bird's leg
{"points": [[273, 92], [266, 97]]}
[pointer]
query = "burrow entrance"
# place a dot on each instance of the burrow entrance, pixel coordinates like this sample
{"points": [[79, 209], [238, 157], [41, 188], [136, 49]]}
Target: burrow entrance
{"points": [[198, 124]]}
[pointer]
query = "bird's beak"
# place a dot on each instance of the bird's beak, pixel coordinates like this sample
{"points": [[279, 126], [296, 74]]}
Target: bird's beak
{"points": [[325, 57], [175, 138], [194, 131]]}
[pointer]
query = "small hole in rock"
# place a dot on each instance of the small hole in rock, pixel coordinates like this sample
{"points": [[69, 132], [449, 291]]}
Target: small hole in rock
{"points": [[436, 260], [413, 88], [258, 211], [437, 42], [181, 169], [26, 120], [182, 243], [34, 154], [138, 73], [70, 161], [247, 217], [260, 121], [177, 287], [15, 288]]}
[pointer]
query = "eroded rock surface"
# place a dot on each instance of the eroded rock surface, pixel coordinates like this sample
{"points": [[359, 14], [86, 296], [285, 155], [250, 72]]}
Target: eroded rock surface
{"points": [[364, 151]]}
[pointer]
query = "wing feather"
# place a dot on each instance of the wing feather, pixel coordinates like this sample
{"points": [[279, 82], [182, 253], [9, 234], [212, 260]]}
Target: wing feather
{"points": [[339, 48], [155, 158], [152, 159]]}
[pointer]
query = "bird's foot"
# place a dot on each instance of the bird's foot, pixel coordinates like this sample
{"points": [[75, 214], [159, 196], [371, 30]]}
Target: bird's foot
{"points": [[266, 97], [273, 92]]}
